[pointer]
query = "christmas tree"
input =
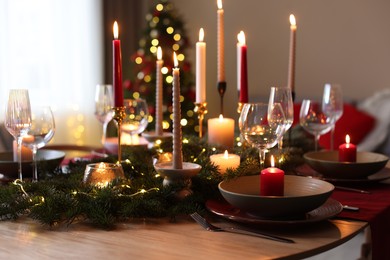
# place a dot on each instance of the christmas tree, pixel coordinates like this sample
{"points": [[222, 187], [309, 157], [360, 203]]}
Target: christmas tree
{"points": [[165, 28]]}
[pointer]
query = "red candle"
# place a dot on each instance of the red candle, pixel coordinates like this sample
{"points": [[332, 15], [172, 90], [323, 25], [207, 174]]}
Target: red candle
{"points": [[242, 72], [117, 67], [347, 151], [272, 181]]}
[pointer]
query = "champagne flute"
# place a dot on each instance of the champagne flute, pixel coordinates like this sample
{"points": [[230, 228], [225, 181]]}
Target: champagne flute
{"points": [[314, 120], [41, 132], [104, 102], [261, 127], [283, 96], [332, 105], [136, 119], [18, 119]]}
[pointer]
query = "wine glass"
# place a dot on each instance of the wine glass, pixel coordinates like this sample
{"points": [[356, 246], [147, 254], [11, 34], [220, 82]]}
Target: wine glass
{"points": [[18, 119], [261, 127], [283, 96], [136, 119], [314, 120], [332, 105], [104, 102], [41, 132]]}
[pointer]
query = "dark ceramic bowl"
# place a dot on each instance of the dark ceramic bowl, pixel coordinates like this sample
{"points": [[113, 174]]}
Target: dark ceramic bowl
{"points": [[327, 163]]}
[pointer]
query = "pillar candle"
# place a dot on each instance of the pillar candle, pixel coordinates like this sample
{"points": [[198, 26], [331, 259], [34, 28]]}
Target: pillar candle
{"points": [[272, 181], [221, 132], [159, 92], [117, 67], [225, 161], [242, 73], [291, 62], [177, 138], [347, 151], [201, 68], [221, 43]]}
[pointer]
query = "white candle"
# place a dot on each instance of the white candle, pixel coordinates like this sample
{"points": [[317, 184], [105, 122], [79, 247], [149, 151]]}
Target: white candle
{"points": [[201, 68], [291, 62], [177, 138], [159, 92], [221, 43], [225, 161], [221, 132]]}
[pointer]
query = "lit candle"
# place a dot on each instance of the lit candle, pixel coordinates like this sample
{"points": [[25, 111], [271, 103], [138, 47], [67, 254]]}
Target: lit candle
{"points": [[159, 92], [101, 174], [347, 151], [26, 152], [242, 74], [221, 132], [117, 67], [201, 68], [225, 161], [272, 180], [177, 138], [221, 43], [291, 62]]}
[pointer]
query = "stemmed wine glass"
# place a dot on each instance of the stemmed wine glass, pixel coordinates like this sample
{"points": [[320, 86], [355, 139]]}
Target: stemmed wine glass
{"points": [[313, 119], [104, 102], [283, 96], [41, 132], [261, 127], [18, 119], [136, 119], [332, 105]]}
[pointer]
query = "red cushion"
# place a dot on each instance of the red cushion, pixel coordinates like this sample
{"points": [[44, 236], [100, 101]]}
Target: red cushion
{"points": [[353, 122]]}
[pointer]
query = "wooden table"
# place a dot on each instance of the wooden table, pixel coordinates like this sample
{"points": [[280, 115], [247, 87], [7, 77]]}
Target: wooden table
{"points": [[152, 239]]}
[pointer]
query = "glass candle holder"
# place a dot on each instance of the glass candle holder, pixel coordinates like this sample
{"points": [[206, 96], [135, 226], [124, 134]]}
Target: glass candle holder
{"points": [[101, 174]]}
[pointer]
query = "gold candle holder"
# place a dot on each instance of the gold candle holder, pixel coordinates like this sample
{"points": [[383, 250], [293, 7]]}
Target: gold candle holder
{"points": [[119, 115], [201, 110]]}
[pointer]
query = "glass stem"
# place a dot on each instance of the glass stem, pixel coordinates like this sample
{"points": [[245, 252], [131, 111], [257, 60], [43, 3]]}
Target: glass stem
{"points": [[262, 157], [104, 132], [19, 145], [332, 137], [316, 139], [35, 167], [280, 143]]}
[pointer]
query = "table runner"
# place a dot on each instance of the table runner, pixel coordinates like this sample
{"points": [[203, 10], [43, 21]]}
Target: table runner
{"points": [[375, 209]]}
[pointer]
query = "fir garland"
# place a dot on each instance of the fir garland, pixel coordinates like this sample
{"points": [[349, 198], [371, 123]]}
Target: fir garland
{"points": [[64, 198]]}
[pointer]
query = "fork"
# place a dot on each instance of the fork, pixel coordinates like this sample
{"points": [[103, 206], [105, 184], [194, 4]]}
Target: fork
{"points": [[210, 227]]}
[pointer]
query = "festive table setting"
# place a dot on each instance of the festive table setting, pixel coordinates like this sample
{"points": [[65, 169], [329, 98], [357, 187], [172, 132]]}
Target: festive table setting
{"points": [[260, 174]]}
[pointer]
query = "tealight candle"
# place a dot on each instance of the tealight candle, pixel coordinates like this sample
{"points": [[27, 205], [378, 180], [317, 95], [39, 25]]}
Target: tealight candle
{"points": [[26, 152], [225, 160], [272, 181], [347, 151], [221, 132], [101, 174]]}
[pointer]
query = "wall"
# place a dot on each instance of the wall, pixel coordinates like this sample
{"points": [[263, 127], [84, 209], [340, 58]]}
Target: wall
{"points": [[345, 42]]}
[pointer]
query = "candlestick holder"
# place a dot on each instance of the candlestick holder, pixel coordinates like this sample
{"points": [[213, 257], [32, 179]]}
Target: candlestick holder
{"points": [[201, 110], [221, 86], [119, 115], [178, 177]]}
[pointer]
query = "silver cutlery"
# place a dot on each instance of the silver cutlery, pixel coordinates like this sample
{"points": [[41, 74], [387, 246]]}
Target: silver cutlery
{"points": [[210, 227], [351, 208], [352, 189]]}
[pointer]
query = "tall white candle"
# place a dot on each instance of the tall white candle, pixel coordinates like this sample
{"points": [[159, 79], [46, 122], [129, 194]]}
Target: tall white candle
{"points": [[201, 68], [221, 43], [159, 92], [177, 138], [291, 62], [221, 132]]}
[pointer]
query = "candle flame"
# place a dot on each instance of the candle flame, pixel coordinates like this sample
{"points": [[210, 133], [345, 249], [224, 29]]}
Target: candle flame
{"points": [[219, 3], [201, 35], [226, 155], [116, 30], [292, 20], [102, 165], [241, 37], [220, 117], [347, 139], [272, 161], [159, 53], [175, 62]]}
